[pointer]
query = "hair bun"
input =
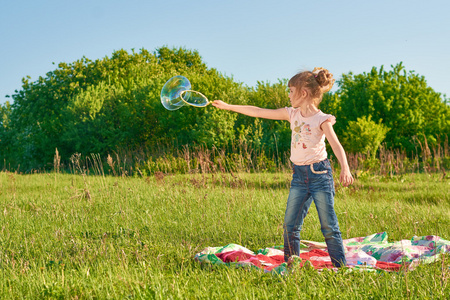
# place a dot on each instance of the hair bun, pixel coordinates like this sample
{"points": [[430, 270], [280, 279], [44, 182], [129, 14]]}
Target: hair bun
{"points": [[324, 79]]}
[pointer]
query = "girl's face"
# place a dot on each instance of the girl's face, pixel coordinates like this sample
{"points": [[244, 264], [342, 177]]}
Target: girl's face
{"points": [[296, 97]]}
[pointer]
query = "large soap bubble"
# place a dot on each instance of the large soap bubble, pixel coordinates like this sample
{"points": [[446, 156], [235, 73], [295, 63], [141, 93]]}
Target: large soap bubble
{"points": [[177, 92], [171, 91]]}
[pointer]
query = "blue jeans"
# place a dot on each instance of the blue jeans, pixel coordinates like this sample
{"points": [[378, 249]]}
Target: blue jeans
{"points": [[313, 182]]}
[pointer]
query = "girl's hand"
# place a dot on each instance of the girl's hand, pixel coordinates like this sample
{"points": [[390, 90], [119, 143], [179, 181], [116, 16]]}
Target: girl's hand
{"points": [[346, 177], [220, 104]]}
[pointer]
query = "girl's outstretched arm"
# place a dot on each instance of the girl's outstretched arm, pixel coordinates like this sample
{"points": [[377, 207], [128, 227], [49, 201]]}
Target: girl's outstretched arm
{"points": [[253, 111], [345, 177]]}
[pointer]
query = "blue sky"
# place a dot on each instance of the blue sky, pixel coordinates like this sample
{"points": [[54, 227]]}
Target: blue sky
{"points": [[249, 40]]}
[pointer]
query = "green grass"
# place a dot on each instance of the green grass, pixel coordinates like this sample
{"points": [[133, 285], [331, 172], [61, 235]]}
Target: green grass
{"points": [[72, 236]]}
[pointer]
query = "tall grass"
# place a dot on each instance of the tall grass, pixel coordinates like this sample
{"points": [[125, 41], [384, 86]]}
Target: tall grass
{"points": [[198, 159], [390, 162], [241, 158]]}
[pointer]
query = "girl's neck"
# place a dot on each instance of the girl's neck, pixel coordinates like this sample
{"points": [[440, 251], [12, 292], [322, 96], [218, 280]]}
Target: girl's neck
{"points": [[308, 109]]}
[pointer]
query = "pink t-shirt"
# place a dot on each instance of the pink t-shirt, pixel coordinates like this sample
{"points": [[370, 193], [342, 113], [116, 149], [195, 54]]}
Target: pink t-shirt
{"points": [[308, 140]]}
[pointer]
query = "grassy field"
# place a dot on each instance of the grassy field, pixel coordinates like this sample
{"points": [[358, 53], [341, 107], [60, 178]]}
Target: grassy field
{"points": [[80, 237]]}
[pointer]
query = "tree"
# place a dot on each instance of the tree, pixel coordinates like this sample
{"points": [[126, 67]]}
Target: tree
{"points": [[398, 99], [113, 103], [5, 112], [5, 115]]}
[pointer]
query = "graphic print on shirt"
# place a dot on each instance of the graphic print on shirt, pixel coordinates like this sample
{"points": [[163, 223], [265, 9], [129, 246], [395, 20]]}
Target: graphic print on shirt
{"points": [[301, 134]]}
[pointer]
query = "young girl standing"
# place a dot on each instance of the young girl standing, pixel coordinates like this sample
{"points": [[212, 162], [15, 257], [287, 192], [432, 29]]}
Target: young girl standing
{"points": [[312, 179]]}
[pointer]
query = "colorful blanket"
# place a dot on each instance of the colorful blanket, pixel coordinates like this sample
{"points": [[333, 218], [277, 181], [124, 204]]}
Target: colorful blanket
{"points": [[372, 252]]}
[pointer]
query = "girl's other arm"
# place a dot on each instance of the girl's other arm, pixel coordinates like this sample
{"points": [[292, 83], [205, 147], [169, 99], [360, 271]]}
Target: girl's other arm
{"points": [[253, 111], [345, 177]]}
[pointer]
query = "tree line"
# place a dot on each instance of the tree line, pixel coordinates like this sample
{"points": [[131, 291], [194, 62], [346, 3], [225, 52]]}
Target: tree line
{"points": [[113, 103]]}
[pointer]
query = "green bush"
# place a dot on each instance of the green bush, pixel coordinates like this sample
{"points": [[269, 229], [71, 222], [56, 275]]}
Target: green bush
{"points": [[112, 105], [400, 100], [364, 136]]}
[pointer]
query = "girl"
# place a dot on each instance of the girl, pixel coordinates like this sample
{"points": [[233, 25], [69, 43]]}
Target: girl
{"points": [[312, 179]]}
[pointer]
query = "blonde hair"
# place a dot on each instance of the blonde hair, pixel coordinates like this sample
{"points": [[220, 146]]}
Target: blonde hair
{"points": [[317, 82]]}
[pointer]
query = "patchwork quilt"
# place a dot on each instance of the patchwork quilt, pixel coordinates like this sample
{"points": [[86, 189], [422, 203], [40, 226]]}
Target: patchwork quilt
{"points": [[372, 252]]}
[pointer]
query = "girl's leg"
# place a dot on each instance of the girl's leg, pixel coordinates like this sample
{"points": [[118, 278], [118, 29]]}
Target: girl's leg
{"points": [[330, 228], [297, 207], [322, 191]]}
